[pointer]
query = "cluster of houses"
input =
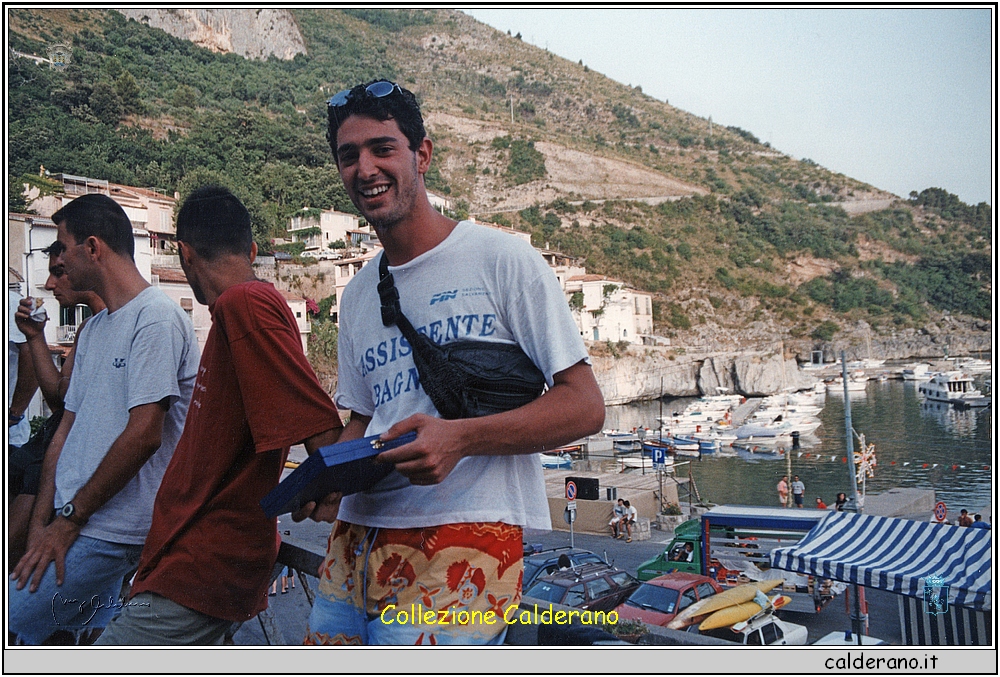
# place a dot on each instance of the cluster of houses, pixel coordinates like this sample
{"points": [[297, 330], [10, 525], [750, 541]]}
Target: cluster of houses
{"points": [[605, 309]]}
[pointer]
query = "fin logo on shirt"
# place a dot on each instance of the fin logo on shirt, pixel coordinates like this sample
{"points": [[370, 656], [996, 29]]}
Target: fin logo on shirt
{"points": [[443, 296], [118, 362]]}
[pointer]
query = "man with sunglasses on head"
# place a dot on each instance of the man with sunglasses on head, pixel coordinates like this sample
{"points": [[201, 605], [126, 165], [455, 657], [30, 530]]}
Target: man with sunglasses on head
{"points": [[443, 532]]}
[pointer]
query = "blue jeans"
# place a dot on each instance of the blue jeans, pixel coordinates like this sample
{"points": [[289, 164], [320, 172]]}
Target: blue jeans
{"points": [[87, 598]]}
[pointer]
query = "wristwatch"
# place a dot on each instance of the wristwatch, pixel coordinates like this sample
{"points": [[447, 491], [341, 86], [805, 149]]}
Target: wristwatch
{"points": [[68, 511]]}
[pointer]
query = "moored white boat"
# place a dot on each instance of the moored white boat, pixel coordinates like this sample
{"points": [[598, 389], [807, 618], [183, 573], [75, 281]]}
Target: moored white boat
{"points": [[856, 382], [954, 387]]}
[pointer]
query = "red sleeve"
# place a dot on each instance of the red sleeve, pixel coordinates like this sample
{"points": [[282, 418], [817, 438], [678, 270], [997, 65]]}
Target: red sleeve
{"points": [[282, 397]]}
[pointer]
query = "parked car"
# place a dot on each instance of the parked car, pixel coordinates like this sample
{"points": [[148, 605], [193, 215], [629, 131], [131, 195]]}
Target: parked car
{"points": [[656, 602], [593, 586], [282, 256], [765, 630], [544, 562]]}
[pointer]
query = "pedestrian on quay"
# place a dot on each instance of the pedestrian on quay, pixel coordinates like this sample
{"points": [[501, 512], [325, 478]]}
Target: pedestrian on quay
{"points": [[616, 519], [978, 523], [798, 492], [631, 515], [436, 531], [840, 502], [963, 519], [783, 491], [820, 505]]}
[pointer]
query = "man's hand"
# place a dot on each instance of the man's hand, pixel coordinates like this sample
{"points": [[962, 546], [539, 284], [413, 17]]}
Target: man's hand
{"points": [[324, 511], [29, 327], [439, 446], [51, 545]]}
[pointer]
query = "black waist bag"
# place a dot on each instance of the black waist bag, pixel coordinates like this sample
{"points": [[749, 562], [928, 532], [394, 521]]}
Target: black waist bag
{"points": [[464, 379]]}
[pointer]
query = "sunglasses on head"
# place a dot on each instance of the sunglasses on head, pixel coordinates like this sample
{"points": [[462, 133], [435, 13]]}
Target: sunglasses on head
{"points": [[377, 90]]}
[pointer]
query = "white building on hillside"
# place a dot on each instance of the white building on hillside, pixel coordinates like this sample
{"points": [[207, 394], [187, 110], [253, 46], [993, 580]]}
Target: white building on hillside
{"points": [[297, 305], [442, 204], [173, 282], [148, 210], [343, 272], [319, 231], [607, 310]]}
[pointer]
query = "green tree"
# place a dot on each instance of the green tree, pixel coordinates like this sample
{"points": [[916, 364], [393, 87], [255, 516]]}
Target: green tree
{"points": [[128, 91], [106, 103], [825, 331], [185, 96], [526, 163]]}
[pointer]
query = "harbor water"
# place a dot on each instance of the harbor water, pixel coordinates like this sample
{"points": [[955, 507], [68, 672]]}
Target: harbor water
{"points": [[918, 444]]}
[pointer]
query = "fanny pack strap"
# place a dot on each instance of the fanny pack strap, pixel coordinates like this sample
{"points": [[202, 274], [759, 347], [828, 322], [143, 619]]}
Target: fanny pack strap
{"points": [[392, 314], [433, 367], [457, 387]]}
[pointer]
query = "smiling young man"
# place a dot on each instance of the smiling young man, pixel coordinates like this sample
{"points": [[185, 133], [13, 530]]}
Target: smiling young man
{"points": [[133, 373], [444, 529]]}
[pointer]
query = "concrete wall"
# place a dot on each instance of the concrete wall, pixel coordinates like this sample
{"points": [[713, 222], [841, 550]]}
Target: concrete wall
{"points": [[592, 517]]}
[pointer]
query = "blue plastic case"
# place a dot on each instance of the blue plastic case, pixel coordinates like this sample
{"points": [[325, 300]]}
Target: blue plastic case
{"points": [[347, 467]]}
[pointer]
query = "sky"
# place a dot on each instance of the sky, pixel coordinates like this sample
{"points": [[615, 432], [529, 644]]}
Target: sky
{"points": [[901, 99]]}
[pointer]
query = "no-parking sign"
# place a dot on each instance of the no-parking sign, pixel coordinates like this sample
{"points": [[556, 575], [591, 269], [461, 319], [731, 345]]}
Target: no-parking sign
{"points": [[571, 491], [940, 511]]}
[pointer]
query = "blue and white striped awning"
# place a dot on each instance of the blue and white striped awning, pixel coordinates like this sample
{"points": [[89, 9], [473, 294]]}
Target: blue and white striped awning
{"points": [[897, 555]]}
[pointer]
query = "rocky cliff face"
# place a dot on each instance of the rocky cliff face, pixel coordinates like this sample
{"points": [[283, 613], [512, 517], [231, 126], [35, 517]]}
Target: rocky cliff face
{"points": [[942, 336], [639, 373], [254, 34]]}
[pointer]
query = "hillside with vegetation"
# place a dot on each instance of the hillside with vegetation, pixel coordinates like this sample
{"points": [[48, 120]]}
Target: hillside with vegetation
{"points": [[737, 241]]}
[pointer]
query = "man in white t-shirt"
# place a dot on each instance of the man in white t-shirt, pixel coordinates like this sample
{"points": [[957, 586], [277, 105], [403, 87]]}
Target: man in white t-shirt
{"points": [[631, 515], [444, 530]]}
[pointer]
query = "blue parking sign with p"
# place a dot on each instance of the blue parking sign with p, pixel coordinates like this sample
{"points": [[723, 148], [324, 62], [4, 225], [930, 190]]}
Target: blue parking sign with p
{"points": [[659, 458]]}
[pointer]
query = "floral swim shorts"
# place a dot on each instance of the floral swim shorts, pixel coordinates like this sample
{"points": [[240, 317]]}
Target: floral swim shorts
{"points": [[448, 584]]}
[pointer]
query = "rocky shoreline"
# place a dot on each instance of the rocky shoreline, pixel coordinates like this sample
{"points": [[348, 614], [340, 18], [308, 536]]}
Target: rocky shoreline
{"points": [[647, 372]]}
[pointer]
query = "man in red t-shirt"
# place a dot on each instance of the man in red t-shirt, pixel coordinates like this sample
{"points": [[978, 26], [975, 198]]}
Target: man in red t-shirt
{"points": [[208, 557]]}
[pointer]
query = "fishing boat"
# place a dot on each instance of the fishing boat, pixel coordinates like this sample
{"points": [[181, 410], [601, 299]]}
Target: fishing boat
{"points": [[856, 382], [643, 462], [972, 365], [674, 445], [562, 461], [953, 387], [758, 452]]}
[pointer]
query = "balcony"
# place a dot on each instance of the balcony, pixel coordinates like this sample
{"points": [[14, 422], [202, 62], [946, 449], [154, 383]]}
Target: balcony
{"points": [[66, 333]]}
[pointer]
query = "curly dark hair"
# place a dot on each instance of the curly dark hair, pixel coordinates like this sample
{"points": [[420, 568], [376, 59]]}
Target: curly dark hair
{"points": [[400, 105]]}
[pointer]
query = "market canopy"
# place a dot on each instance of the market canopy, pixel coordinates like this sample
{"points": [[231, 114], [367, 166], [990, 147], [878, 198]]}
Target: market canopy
{"points": [[897, 555]]}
